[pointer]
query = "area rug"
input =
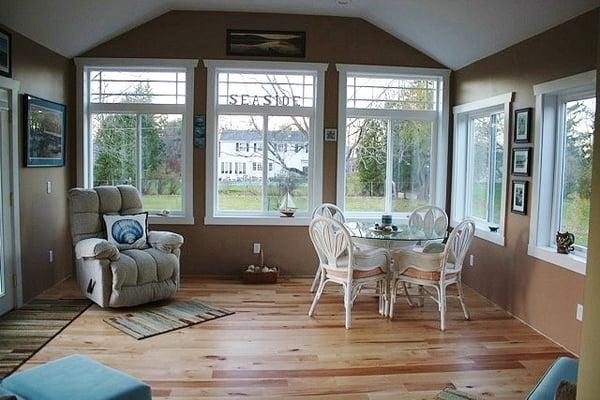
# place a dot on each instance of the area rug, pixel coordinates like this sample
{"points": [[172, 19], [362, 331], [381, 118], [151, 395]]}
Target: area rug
{"points": [[156, 320], [25, 331], [453, 394]]}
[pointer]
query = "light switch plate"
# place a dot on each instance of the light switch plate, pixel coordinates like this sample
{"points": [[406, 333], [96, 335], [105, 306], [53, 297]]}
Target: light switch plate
{"points": [[256, 248], [50, 256], [579, 313], [49, 187]]}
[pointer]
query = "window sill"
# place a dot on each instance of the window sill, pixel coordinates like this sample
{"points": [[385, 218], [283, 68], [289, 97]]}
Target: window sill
{"points": [[170, 220], [256, 220], [485, 234], [571, 262]]}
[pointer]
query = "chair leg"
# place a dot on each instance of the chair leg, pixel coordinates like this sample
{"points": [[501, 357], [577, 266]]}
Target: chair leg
{"points": [[420, 299], [317, 298], [316, 280], [442, 307], [393, 294], [461, 297], [408, 298], [348, 305]]}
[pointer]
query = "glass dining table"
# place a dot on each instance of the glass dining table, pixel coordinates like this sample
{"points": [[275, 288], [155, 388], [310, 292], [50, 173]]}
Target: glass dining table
{"points": [[403, 237]]}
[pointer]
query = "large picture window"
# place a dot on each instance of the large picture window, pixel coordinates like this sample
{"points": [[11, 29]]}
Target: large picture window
{"points": [[137, 131], [479, 166], [263, 114], [563, 168], [392, 134]]}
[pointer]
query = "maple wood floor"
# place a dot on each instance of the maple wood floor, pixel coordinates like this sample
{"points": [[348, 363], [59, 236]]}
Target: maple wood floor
{"points": [[271, 349]]}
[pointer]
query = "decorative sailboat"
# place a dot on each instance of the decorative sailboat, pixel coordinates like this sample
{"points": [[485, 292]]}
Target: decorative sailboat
{"points": [[287, 208]]}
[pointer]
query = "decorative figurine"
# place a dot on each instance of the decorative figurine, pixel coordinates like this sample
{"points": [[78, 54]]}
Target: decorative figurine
{"points": [[565, 242]]}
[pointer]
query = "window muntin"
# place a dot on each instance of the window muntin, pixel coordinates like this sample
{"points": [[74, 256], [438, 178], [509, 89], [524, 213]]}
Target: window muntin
{"points": [[391, 121], [576, 127], [485, 172], [137, 86]]}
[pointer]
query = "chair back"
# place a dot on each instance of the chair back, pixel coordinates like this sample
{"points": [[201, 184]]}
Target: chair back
{"points": [[330, 211], [87, 206], [458, 245], [332, 241], [430, 219]]}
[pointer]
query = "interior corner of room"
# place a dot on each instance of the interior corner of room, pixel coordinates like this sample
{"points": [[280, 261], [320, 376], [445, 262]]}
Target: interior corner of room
{"points": [[184, 187]]}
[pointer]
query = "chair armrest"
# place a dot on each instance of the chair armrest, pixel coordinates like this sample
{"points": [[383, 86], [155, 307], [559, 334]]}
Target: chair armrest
{"points": [[165, 241], [421, 261], [96, 248]]}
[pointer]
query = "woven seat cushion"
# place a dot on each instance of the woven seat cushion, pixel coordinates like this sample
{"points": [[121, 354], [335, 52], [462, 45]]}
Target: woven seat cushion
{"points": [[426, 275], [356, 274]]}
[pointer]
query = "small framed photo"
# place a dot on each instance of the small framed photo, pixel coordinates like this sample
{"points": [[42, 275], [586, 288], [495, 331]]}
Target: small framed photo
{"points": [[44, 127], [5, 54], [330, 134], [521, 165], [522, 125], [519, 197], [200, 131]]}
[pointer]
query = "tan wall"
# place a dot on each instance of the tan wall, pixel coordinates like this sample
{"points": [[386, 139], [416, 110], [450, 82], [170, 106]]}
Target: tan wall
{"points": [[44, 224], [588, 386], [201, 35], [542, 294]]}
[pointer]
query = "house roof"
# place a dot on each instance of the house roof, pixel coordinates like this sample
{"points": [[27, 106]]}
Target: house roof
{"points": [[255, 136]]}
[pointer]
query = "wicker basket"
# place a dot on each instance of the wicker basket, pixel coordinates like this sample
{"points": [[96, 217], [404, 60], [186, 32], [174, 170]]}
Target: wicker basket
{"points": [[260, 277]]}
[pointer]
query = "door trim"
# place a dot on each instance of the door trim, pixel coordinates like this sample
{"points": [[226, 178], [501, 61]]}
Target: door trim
{"points": [[13, 86]]}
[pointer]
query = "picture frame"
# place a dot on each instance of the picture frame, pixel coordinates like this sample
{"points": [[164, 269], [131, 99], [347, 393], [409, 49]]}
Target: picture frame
{"points": [[519, 197], [5, 54], [522, 127], [200, 131], [330, 134], [521, 164], [264, 43], [44, 132]]}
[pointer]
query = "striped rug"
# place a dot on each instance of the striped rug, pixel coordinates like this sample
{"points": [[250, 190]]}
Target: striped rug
{"points": [[154, 321], [25, 331], [453, 394]]}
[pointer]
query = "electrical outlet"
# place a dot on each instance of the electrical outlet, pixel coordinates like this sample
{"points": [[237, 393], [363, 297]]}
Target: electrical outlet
{"points": [[471, 260], [579, 313], [49, 187], [50, 256], [256, 249]]}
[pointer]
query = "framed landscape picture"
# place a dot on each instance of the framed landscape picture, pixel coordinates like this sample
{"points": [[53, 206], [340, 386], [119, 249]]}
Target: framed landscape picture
{"points": [[519, 197], [266, 43], [5, 54], [44, 127], [520, 162], [522, 125]]}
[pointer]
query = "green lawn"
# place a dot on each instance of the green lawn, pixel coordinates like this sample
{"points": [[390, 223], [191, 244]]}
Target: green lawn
{"points": [[162, 202], [575, 218]]}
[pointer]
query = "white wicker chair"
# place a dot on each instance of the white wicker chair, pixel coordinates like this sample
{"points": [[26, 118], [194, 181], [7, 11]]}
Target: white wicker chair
{"points": [[341, 262], [327, 210], [430, 219], [436, 270]]}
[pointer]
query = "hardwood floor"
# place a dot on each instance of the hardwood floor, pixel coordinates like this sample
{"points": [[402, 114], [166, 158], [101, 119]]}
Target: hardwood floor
{"points": [[271, 349]]}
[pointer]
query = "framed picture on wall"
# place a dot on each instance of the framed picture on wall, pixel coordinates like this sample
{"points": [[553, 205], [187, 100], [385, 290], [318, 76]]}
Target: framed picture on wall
{"points": [[44, 127], [522, 125], [521, 165], [266, 43], [519, 197], [5, 54]]}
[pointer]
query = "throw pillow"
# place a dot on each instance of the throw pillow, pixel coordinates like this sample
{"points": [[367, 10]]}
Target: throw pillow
{"points": [[127, 231]]}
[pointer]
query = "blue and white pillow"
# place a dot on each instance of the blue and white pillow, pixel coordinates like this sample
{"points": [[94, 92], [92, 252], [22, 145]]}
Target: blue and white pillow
{"points": [[127, 231]]}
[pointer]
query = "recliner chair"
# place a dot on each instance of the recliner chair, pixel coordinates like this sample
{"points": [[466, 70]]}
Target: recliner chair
{"points": [[120, 278]]}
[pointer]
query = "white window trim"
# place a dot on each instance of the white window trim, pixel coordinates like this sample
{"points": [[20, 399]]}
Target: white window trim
{"points": [[457, 213], [538, 247], [316, 154], [83, 64], [439, 153]]}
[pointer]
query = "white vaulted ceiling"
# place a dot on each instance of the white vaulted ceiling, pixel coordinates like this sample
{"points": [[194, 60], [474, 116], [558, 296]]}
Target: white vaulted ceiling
{"points": [[453, 32]]}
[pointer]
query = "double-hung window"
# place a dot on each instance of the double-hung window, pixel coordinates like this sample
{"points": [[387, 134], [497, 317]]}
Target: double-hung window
{"points": [[563, 167], [136, 121], [262, 113], [392, 141], [480, 165]]}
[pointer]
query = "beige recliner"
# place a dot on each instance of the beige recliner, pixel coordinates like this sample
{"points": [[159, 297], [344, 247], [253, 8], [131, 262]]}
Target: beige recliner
{"points": [[120, 278]]}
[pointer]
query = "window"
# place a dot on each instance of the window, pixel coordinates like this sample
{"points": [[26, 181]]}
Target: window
{"points": [[260, 113], [480, 165], [137, 130], [563, 168], [393, 131]]}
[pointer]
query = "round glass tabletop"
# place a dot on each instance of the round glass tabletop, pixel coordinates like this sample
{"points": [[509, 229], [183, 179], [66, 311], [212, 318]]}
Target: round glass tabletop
{"points": [[405, 233]]}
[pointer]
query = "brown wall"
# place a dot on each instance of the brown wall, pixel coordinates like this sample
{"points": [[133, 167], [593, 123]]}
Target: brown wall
{"points": [[44, 224], [542, 294], [201, 35]]}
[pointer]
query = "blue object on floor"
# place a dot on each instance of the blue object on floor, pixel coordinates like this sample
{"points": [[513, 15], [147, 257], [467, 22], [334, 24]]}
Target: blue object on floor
{"points": [[76, 377], [563, 369]]}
